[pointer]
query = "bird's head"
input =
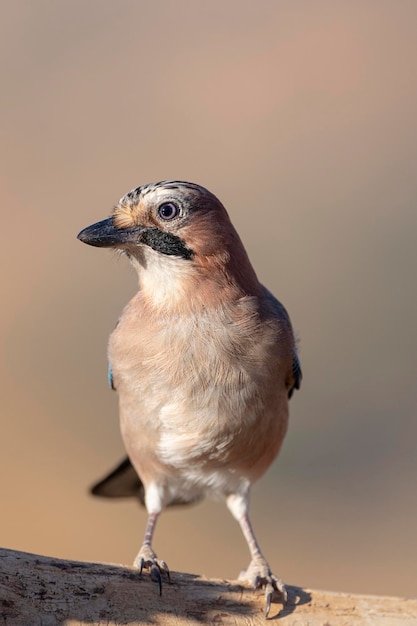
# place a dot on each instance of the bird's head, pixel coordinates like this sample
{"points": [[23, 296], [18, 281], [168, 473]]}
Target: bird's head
{"points": [[178, 231]]}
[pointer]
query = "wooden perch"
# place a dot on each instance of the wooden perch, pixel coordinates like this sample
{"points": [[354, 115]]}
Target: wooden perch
{"points": [[37, 590]]}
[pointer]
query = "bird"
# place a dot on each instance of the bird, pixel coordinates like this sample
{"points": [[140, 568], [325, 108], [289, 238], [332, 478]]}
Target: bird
{"points": [[204, 360]]}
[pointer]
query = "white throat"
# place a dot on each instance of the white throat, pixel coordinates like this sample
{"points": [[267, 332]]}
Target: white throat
{"points": [[163, 279]]}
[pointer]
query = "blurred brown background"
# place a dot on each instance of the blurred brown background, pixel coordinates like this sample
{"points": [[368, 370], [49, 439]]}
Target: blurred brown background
{"points": [[301, 117]]}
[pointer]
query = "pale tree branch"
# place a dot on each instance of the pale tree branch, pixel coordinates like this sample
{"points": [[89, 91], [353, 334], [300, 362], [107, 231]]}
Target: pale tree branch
{"points": [[38, 590]]}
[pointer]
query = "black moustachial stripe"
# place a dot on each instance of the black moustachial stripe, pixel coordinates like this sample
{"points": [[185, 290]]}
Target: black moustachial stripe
{"points": [[166, 243]]}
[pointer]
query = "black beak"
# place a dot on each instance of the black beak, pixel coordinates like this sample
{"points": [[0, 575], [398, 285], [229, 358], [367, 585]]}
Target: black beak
{"points": [[104, 234]]}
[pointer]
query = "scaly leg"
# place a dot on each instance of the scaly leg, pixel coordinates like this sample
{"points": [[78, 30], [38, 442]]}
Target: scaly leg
{"points": [[258, 573], [147, 558]]}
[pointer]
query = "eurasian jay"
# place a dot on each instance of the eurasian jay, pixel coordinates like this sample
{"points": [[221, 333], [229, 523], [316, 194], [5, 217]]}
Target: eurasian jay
{"points": [[204, 361]]}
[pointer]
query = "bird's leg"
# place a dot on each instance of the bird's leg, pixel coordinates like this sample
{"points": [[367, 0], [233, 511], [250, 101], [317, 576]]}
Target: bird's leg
{"points": [[258, 573], [146, 557]]}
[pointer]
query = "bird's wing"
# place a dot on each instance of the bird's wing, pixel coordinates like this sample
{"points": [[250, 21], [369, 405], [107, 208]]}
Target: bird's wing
{"points": [[122, 482], [296, 375]]}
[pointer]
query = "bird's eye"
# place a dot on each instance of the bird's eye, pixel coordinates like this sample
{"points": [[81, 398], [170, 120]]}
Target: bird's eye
{"points": [[168, 211]]}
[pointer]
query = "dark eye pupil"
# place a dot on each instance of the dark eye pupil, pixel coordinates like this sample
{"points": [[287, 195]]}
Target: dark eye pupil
{"points": [[168, 211]]}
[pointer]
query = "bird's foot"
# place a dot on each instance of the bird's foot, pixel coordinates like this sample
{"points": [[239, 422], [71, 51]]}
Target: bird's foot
{"points": [[147, 559], [260, 576]]}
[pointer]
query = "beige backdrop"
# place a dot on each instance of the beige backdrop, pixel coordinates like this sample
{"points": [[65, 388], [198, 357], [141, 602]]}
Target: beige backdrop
{"points": [[301, 117]]}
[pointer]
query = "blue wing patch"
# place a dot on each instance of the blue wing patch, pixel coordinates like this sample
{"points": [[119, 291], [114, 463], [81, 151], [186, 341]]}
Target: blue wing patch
{"points": [[110, 377]]}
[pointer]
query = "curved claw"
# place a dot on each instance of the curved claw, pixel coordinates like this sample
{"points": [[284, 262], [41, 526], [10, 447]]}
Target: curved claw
{"points": [[283, 591], [157, 568], [260, 576], [268, 597], [277, 585], [141, 564], [164, 568], [155, 575], [147, 559]]}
